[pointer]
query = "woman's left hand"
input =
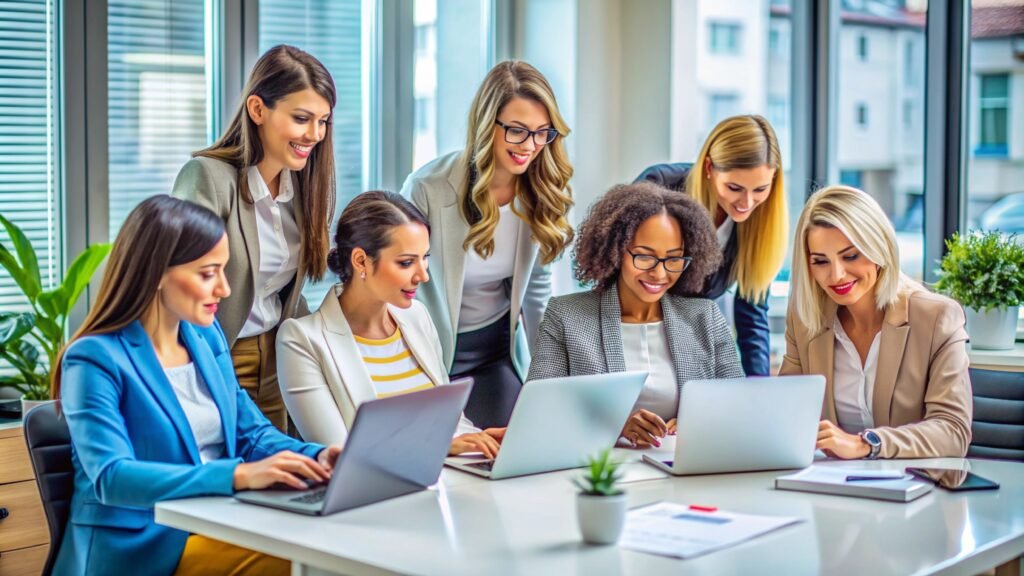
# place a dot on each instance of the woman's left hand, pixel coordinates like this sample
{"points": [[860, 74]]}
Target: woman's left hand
{"points": [[328, 456], [839, 443], [672, 428]]}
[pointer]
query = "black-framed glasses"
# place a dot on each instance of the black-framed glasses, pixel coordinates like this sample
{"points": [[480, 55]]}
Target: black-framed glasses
{"points": [[518, 134], [673, 264]]}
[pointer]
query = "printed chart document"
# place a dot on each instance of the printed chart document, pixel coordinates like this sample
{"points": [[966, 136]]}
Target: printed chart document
{"points": [[684, 531]]}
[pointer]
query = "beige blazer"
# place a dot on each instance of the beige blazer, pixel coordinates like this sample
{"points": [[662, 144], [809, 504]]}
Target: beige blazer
{"points": [[922, 403], [435, 189], [214, 184], [322, 375]]}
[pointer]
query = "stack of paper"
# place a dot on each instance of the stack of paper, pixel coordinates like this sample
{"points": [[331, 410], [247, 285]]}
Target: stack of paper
{"points": [[865, 483], [686, 531]]}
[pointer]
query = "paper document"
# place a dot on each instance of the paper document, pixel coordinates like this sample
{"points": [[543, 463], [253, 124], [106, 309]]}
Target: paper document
{"points": [[892, 485], [682, 531]]}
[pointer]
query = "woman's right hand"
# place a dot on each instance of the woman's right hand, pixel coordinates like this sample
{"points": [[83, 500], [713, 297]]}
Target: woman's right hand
{"points": [[644, 428], [485, 442], [288, 468]]}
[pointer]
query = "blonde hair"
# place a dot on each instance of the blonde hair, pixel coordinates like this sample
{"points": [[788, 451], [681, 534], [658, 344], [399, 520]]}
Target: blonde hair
{"points": [[544, 194], [859, 217], [744, 142]]}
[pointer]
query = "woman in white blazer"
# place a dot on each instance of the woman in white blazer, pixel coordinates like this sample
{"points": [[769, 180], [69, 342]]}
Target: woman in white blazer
{"points": [[499, 211], [369, 339]]}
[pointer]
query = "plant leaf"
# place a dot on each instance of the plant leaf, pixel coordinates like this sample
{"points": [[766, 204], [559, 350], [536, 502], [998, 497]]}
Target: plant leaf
{"points": [[14, 325], [29, 282], [80, 273], [51, 302]]}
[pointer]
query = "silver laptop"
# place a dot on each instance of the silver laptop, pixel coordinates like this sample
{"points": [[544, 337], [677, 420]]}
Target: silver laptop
{"points": [[558, 422], [746, 424], [396, 446]]}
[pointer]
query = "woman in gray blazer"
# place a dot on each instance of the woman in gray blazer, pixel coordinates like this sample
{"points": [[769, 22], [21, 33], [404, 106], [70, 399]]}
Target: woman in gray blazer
{"points": [[498, 210], [646, 251], [270, 177]]}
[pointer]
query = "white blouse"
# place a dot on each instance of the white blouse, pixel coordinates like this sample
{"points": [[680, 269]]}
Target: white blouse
{"points": [[853, 384], [201, 411], [279, 251], [645, 347], [724, 232], [484, 297]]}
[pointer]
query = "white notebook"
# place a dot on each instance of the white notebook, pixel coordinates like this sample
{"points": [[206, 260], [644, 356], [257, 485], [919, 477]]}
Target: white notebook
{"points": [[834, 480]]}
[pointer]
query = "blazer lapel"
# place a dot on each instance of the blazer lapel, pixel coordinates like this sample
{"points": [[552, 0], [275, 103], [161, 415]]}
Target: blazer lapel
{"points": [[206, 365], [526, 256], [348, 360], [895, 329], [453, 233], [143, 357], [821, 358], [674, 327], [611, 330], [414, 340], [250, 235]]}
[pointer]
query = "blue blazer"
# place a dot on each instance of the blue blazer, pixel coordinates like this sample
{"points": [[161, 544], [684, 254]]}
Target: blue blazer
{"points": [[132, 447], [751, 318]]}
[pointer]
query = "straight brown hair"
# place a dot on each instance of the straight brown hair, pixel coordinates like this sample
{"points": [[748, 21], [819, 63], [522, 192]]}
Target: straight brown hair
{"points": [[281, 71]]}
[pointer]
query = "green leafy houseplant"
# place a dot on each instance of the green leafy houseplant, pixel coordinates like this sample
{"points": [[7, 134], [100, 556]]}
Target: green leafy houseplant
{"points": [[602, 476], [983, 270], [23, 334]]}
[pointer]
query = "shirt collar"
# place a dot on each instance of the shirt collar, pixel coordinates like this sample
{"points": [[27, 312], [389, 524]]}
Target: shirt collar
{"points": [[259, 189]]}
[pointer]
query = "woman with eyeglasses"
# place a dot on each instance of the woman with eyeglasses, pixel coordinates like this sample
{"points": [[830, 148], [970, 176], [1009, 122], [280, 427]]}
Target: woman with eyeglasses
{"points": [[499, 214], [737, 177], [647, 252]]}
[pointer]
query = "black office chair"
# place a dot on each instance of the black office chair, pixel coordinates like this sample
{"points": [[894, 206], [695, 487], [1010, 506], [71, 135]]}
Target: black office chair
{"points": [[49, 448], [998, 429]]}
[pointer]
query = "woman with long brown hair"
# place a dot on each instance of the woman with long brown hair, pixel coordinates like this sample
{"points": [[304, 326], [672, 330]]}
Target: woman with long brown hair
{"points": [[270, 177], [499, 214], [154, 410]]}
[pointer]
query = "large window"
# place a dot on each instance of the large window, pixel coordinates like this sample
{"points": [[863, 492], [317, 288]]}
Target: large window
{"points": [[158, 96], [880, 133], [452, 55], [28, 137]]}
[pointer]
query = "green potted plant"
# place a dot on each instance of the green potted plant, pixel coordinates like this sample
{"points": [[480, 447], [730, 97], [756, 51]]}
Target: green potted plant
{"points": [[26, 336], [984, 271], [601, 504]]}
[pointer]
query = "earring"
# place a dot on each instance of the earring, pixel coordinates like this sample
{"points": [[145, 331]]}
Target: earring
{"points": [[363, 274]]}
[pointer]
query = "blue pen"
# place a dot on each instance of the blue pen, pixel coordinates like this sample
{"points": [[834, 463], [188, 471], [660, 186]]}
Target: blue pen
{"points": [[862, 478]]}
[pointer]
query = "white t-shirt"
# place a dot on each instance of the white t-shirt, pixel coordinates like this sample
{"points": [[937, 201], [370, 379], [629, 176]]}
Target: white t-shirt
{"points": [[201, 411], [484, 299], [279, 252], [853, 384], [645, 347]]}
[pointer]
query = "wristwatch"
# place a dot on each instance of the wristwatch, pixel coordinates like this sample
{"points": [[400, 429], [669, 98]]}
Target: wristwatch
{"points": [[873, 441]]}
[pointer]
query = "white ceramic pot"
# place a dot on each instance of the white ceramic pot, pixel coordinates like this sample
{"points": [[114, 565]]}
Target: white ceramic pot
{"points": [[601, 518], [992, 330], [27, 405]]}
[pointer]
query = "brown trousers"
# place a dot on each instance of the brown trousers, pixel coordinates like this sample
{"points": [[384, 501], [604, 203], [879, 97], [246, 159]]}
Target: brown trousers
{"points": [[255, 360], [206, 556]]}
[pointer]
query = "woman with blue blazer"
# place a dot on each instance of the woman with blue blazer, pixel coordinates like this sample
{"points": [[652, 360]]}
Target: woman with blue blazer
{"points": [[154, 410], [738, 178], [499, 214], [647, 252]]}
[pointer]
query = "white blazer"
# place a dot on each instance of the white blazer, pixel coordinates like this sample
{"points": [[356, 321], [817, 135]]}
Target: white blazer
{"points": [[435, 189], [321, 371]]}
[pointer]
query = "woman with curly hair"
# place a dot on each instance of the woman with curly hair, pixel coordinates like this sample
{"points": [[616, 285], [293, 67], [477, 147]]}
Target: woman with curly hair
{"points": [[646, 251], [499, 214], [737, 178]]}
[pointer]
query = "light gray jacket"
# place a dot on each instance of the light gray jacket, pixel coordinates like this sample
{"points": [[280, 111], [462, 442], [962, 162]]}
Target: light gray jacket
{"points": [[214, 184], [435, 189], [582, 334]]}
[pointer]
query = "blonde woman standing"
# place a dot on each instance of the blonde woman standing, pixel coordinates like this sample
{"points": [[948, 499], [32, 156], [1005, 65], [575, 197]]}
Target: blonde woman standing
{"points": [[737, 177], [893, 354], [499, 214], [270, 177]]}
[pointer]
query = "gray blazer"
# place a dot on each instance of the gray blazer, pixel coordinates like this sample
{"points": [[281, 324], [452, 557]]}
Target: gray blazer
{"points": [[214, 184], [582, 334], [435, 189]]}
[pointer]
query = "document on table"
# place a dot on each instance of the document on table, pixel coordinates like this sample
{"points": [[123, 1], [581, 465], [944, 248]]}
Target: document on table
{"points": [[684, 531]]}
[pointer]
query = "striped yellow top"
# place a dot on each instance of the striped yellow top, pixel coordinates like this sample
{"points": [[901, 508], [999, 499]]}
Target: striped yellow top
{"points": [[393, 369]]}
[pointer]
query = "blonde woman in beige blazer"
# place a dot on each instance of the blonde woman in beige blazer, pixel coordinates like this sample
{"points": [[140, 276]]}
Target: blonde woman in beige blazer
{"points": [[892, 353], [369, 339]]}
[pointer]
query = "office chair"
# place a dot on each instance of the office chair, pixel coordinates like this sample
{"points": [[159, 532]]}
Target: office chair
{"points": [[49, 448], [998, 428]]}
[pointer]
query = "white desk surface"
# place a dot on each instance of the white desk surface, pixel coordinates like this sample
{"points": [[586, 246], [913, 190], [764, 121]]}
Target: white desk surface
{"points": [[527, 525]]}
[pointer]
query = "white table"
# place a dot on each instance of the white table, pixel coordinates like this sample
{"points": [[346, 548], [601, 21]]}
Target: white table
{"points": [[467, 525]]}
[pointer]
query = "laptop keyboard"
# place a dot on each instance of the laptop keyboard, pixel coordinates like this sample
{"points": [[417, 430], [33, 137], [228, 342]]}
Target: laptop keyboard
{"points": [[485, 465], [315, 497]]}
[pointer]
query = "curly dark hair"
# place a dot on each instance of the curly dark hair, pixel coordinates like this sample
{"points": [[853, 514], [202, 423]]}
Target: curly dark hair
{"points": [[612, 223]]}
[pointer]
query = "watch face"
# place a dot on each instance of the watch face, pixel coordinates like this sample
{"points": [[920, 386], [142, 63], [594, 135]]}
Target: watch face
{"points": [[872, 438]]}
